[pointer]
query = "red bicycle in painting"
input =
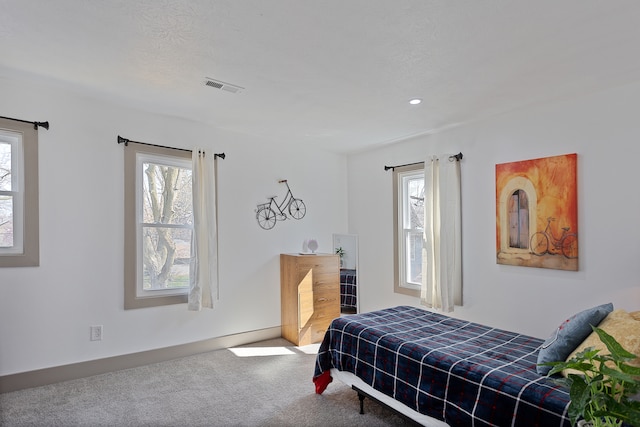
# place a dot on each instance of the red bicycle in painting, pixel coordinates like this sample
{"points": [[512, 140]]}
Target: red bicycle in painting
{"points": [[543, 242]]}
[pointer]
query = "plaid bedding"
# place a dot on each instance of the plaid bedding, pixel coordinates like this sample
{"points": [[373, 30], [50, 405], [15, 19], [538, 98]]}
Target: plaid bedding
{"points": [[348, 282], [463, 373]]}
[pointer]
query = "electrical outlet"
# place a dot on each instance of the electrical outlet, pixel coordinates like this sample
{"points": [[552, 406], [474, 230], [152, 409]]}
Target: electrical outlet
{"points": [[96, 333]]}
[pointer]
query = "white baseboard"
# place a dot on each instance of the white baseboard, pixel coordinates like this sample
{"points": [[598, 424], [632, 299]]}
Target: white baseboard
{"points": [[73, 371]]}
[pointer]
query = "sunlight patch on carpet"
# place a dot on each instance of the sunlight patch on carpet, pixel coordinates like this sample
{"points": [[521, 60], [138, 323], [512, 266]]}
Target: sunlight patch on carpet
{"points": [[260, 351], [310, 349]]}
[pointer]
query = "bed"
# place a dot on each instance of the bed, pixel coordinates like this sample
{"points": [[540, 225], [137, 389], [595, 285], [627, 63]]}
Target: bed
{"points": [[348, 292], [437, 369]]}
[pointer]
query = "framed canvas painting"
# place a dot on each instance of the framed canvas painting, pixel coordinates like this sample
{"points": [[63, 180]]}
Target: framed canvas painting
{"points": [[537, 213]]}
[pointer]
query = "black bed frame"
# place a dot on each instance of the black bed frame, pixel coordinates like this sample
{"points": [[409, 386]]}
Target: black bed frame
{"points": [[363, 394]]}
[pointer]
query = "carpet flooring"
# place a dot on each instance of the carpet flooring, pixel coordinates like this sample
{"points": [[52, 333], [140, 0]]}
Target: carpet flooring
{"points": [[261, 384]]}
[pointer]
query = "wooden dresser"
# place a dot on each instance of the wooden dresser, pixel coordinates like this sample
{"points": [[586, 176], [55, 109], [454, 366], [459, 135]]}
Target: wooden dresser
{"points": [[309, 295]]}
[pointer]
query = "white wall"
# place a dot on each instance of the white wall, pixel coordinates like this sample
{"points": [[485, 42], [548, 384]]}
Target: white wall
{"points": [[602, 128], [45, 312]]}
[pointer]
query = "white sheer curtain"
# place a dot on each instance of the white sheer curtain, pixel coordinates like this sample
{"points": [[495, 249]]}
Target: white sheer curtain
{"points": [[203, 266], [441, 250]]}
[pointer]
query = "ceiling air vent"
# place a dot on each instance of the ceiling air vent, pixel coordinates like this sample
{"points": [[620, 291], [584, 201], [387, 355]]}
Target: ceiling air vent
{"points": [[222, 85]]}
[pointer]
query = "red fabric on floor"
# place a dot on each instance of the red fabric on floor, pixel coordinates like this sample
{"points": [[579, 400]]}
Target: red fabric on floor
{"points": [[322, 381]]}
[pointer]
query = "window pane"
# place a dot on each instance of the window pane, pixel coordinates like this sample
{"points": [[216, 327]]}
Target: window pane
{"points": [[5, 167], [166, 194], [408, 228], [6, 221], [414, 257], [166, 254], [415, 202]]}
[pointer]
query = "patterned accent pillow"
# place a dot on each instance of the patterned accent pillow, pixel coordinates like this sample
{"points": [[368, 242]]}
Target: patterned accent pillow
{"points": [[622, 326], [569, 335]]}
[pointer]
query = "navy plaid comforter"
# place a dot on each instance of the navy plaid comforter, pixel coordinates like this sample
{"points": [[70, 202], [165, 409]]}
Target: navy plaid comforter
{"points": [[463, 373], [348, 283]]}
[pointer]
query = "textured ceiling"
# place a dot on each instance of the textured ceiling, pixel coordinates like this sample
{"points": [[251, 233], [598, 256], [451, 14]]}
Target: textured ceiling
{"points": [[327, 73]]}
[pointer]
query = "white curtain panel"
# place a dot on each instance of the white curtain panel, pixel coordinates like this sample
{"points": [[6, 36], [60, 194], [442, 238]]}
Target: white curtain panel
{"points": [[441, 250], [203, 266]]}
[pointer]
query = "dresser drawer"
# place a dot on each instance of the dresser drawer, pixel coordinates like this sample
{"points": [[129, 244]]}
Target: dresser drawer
{"points": [[326, 314], [326, 282], [314, 306], [326, 299], [318, 263], [314, 332], [308, 279], [318, 330]]}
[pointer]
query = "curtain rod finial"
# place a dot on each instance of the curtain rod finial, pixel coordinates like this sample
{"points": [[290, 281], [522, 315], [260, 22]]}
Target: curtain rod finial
{"points": [[35, 124], [221, 155], [123, 140]]}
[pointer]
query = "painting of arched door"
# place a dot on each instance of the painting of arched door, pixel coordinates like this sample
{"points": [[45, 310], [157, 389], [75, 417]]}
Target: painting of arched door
{"points": [[518, 220]]}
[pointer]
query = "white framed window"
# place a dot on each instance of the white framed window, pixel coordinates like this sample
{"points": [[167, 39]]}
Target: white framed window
{"points": [[408, 198], [158, 225], [19, 220], [11, 193]]}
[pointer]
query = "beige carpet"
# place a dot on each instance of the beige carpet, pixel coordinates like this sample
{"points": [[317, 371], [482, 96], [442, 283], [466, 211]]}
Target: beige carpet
{"points": [[262, 384]]}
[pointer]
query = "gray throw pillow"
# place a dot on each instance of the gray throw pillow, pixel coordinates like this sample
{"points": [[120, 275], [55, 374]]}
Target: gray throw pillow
{"points": [[570, 335]]}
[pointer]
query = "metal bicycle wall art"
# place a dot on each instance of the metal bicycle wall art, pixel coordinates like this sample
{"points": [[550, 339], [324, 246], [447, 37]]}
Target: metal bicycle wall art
{"points": [[267, 214]]}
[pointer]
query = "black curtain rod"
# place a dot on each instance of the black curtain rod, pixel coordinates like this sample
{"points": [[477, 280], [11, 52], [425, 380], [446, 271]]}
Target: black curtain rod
{"points": [[458, 157], [126, 142], [35, 124]]}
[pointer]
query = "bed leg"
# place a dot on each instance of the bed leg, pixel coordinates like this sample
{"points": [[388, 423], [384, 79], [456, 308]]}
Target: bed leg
{"points": [[361, 397]]}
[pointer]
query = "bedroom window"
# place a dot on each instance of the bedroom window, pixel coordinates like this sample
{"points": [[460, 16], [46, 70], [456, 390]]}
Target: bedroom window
{"points": [[19, 223], [158, 225], [408, 228]]}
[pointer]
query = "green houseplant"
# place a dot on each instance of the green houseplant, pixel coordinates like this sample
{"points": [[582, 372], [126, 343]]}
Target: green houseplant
{"points": [[604, 391], [340, 252]]}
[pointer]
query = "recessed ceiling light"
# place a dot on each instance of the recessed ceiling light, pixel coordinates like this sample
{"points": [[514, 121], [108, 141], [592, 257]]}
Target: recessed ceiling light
{"points": [[415, 101]]}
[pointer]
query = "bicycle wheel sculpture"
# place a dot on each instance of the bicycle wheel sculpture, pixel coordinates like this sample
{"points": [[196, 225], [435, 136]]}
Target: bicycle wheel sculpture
{"points": [[267, 214], [266, 218], [297, 209]]}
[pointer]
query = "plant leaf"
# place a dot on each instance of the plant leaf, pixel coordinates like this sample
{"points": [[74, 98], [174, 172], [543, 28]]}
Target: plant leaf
{"points": [[618, 375], [629, 369], [623, 412], [616, 350], [632, 418], [580, 395], [561, 366], [587, 353]]}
